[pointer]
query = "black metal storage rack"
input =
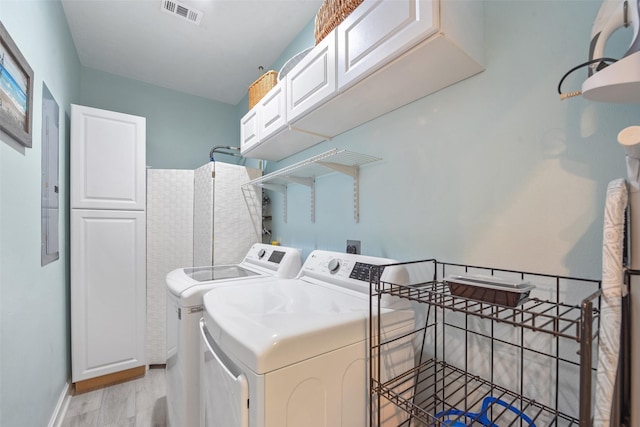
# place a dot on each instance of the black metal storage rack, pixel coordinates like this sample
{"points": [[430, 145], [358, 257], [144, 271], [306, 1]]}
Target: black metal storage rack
{"points": [[516, 366]]}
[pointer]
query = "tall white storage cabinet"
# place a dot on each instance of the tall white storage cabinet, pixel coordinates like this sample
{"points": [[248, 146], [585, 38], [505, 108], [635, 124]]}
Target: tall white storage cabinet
{"points": [[108, 246]]}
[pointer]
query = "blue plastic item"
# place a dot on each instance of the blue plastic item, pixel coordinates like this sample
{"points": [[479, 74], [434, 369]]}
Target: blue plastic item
{"points": [[457, 417]]}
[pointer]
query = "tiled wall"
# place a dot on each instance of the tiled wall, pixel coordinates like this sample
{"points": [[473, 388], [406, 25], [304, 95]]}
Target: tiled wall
{"points": [[203, 216], [237, 214], [169, 246], [190, 224]]}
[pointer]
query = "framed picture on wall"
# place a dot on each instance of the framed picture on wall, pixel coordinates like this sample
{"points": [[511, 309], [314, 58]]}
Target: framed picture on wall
{"points": [[16, 91]]}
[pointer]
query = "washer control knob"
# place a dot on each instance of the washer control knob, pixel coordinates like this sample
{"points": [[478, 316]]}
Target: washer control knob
{"points": [[261, 253], [334, 266]]}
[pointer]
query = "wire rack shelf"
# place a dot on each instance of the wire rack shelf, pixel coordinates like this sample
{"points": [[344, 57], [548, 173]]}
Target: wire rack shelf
{"points": [[479, 363]]}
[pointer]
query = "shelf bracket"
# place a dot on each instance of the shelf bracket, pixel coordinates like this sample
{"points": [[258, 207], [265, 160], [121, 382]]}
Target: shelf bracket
{"points": [[313, 201], [307, 182], [284, 204], [353, 172], [325, 137], [356, 199]]}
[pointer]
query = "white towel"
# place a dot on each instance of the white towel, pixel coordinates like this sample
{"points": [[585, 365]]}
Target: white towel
{"points": [[613, 289]]}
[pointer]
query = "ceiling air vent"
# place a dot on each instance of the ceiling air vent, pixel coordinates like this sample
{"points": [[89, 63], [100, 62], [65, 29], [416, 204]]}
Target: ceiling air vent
{"points": [[182, 10]]}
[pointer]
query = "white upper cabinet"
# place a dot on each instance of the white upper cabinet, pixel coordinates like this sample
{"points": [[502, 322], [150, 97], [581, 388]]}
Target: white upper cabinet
{"points": [[268, 121], [377, 31], [249, 130], [313, 80], [273, 111], [384, 55], [265, 119], [310, 83], [108, 157]]}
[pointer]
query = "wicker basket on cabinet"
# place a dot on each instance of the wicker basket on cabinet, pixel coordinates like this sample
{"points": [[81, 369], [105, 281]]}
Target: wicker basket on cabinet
{"points": [[331, 14], [260, 87]]}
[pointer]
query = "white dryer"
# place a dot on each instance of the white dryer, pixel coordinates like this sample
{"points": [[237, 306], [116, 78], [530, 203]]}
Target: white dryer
{"points": [[185, 289], [294, 352]]}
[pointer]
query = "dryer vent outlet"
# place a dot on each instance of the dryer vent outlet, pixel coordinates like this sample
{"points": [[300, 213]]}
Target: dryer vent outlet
{"points": [[353, 246]]}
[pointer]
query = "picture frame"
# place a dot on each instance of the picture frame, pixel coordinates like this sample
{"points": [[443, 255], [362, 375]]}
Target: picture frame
{"points": [[16, 91]]}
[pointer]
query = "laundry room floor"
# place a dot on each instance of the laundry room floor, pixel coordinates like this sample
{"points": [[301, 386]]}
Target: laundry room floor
{"points": [[136, 403]]}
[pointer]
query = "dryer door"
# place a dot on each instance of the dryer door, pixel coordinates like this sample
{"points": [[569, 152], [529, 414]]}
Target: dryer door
{"points": [[224, 390]]}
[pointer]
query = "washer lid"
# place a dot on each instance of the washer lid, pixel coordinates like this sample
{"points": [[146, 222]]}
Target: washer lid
{"points": [[261, 260], [185, 282], [271, 325]]}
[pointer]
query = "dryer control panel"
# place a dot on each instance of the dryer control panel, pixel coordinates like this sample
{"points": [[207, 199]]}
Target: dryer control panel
{"points": [[351, 271], [365, 272]]}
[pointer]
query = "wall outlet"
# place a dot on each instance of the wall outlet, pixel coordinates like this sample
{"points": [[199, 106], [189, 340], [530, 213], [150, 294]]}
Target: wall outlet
{"points": [[353, 246]]}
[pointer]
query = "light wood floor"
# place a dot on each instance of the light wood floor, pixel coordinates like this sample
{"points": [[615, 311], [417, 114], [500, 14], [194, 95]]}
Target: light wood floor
{"points": [[137, 403]]}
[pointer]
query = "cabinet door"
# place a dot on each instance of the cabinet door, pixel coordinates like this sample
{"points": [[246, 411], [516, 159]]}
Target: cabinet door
{"points": [[313, 80], [108, 292], [273, 111], [378, 31], [108, 157], [249, 129]]}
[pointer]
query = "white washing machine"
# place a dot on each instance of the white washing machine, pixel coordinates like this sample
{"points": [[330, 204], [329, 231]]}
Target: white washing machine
{"points": [[186, 287], [294, 352]]}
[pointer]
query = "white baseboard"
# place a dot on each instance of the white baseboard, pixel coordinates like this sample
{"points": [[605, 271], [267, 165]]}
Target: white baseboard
{"points": [[61, 407]]}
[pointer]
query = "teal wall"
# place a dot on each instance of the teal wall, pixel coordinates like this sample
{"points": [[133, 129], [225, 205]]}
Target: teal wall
{"points": [[495, 170], [181, 129], [34, 300]]}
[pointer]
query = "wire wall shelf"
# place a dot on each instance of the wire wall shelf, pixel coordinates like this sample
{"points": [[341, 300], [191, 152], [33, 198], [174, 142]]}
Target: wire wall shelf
{"points": [[306, 172], [483, 364]]}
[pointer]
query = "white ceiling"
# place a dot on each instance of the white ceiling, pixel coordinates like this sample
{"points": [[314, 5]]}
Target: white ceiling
{"points": [[218, 59]]}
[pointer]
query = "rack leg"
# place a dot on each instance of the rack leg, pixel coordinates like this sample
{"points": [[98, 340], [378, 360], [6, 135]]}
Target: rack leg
{"points": [[585, 364]]}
